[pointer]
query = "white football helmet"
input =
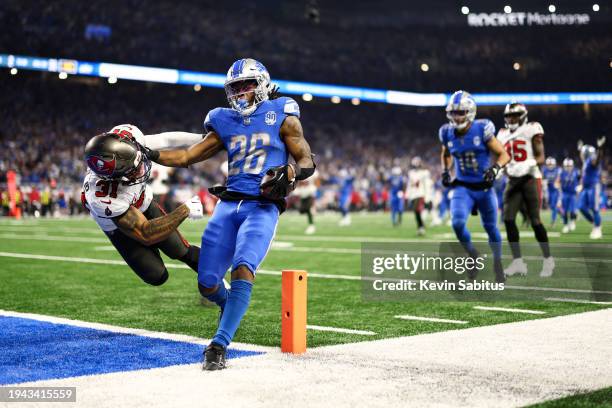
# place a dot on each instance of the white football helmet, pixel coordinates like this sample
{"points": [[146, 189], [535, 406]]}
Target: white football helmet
{"points": [[238, 76], [568, 164], [551, 162], [416, 162], [515, 110], [586, 151], [461, 110], [396, 171]]}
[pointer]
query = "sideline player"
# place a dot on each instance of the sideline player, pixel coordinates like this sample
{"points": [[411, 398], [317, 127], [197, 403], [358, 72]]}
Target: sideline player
{"points": [[418, 185], [568, 179], [259, 132], [307, 191], [468, 142], [523, 140], [590, 184], [346, 181], [396, 190], [121, 202], [551, 173]]}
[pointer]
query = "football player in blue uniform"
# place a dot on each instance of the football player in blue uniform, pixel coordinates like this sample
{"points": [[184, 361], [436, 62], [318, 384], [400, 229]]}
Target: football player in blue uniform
{"points": [[396, 191], [468, 142], [551, 174], [259, 132], [568, 179], [346, 180], [590, 185]]}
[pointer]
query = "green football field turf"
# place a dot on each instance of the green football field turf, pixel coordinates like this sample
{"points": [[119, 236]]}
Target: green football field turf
{"points": [[113, 294]]}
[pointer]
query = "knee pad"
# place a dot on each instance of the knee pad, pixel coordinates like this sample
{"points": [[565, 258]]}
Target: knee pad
{"points": [[159, 281]]}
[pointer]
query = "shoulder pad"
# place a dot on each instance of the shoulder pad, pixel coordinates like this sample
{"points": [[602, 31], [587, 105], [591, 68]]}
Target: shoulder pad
{"points": [[289, 106], [210, 120], [442, 133], [488, 129]]}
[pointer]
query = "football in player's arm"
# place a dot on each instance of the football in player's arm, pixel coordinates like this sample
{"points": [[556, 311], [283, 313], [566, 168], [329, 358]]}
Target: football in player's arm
{"points": [[121, 202], [259, 132]]}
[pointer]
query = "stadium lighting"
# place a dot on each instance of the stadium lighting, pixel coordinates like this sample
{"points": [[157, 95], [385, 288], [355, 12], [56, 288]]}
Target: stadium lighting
{"points": [[197, 87], [552, 8], [595, 7], [516, 66], [63, 75], [14, 71], [307, 97], [424, 67], [112, 80], [335, 99], [355, 101], [465, 10]]}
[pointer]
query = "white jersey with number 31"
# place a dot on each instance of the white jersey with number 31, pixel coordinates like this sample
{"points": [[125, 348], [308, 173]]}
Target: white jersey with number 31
{"points": [[519, 145]]}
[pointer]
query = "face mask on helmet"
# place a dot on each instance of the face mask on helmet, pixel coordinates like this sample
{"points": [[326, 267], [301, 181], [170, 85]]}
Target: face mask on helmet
{"points": [[140, 172], [461, 110], [247, 85]]}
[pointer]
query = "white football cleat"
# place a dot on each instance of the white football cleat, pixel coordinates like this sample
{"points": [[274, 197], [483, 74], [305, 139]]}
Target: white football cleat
{"points": [[310, 230], [547, 267], [565, 229], [435, 222], [596, 233], [345, 221], [572, 225], [421, 231], [516, 267]]}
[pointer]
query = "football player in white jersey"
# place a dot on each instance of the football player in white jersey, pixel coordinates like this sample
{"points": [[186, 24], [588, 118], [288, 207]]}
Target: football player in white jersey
{"points": [[418, 183], [523, 140], [121, 202], [307, 191]]}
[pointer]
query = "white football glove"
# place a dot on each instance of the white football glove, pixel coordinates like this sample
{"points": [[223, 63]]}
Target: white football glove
{"points": [[601, 141], [196, 211]]}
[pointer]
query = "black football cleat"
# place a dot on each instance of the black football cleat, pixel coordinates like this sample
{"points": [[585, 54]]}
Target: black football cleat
{"points": [[214, 357]]}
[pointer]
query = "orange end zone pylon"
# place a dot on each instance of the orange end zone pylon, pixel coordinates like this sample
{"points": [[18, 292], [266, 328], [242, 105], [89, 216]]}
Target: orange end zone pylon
{"points": [[293, 308]]}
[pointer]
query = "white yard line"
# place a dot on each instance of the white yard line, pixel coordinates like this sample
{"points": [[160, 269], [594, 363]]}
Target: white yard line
{"points": [[127, 330], [592, 302], [340, 330], [458, 368], [430, 319], [266, 272], [510, 310]]}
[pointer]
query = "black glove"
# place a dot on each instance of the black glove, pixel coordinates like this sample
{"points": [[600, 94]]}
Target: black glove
{"points": [[446, 178], [151, 154], [276, 184], [491, 173]]}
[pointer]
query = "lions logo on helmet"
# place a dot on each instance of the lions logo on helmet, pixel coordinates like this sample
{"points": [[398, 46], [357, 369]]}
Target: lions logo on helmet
{"points": [[243, 77], [461, 110], [515, 115]]}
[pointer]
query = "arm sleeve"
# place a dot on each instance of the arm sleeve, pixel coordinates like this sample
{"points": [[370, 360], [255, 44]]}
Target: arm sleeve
{"points": [[488, 131], [171, 139]]}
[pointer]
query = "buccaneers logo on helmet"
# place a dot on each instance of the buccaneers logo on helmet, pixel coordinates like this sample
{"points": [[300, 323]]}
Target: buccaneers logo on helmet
{"points": [[101, 166]]}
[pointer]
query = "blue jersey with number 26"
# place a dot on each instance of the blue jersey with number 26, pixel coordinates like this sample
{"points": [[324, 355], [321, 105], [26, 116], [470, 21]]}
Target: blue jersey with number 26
{"points": [[470, 151], [253, 142]]}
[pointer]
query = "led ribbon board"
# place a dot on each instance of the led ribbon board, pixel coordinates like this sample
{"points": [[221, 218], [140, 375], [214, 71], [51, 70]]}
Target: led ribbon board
{"points": [[182, 77]]}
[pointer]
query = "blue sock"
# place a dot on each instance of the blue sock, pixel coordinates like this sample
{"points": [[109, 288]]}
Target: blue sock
{"points": [[236, 306], [220, 296], [596, 218]]}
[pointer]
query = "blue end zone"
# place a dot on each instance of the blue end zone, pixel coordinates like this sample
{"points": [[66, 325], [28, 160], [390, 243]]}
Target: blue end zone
{"points": [[31, 350]]}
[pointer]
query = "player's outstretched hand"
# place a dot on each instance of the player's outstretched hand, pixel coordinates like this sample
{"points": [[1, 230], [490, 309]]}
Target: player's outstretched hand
{"points": [[491, 173], [601, 141], [446, 178], [275, 184], [580, 144], [196, 211]]}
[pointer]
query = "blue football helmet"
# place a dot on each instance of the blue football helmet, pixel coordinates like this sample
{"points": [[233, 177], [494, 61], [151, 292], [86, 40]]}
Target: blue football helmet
{"points": [[586, 152], [568, 164], [551, 162], [461, 110], [241, 74]]}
